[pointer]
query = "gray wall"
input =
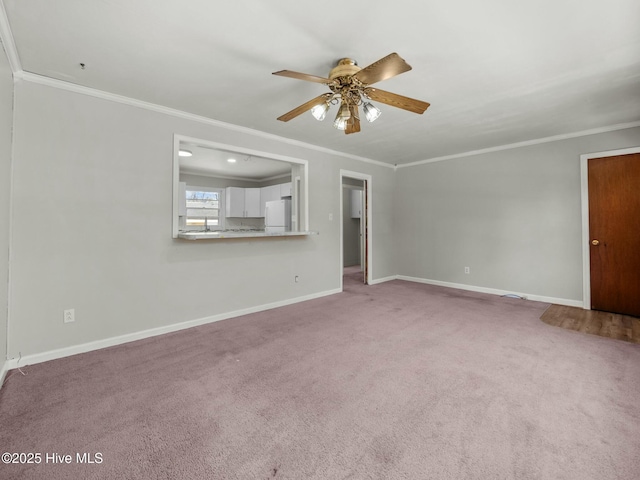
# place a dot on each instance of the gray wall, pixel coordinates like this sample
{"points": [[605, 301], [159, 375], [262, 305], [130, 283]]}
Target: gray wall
{"points": [[214, 182], [350, 230], [354, 182], [513, 217], [6, 120], [274, 181], [98, 176]]}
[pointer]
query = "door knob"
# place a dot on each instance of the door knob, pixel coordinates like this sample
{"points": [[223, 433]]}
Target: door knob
{"points": [[595, 242]]}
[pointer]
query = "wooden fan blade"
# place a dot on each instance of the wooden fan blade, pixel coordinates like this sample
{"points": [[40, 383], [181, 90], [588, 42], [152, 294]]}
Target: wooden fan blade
{"points": [[386, 67], [395, 100], [302, 76], [353, 124], [304, 107]]}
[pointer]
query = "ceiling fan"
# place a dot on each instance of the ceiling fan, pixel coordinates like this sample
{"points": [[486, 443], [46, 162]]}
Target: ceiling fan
{"points": [[350, 87]]}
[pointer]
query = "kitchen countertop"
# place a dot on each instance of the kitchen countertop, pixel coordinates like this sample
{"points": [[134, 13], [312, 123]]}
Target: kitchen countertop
{"points": [[213, 235]]}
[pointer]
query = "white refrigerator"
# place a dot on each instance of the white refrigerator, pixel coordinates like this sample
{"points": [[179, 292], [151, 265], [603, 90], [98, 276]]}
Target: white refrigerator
{"points": [[277, 216]]}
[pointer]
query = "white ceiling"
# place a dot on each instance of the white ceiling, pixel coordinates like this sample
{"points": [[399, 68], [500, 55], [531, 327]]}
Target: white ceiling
{"points": [[495, 72], [215, 163]]}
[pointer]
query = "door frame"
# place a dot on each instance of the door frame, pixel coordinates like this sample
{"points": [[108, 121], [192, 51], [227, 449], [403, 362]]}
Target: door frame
{"points": [[367, 207], [584, 196]]}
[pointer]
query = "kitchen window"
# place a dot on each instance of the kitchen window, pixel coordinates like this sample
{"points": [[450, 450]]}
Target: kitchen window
{"points": [[204, 208]]}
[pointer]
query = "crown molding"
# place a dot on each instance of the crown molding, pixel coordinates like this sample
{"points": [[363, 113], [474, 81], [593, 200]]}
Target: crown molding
{"points": [[19, 74], [554, 138], [275, 177], [72, 87], [7, 41], [203, 173]]}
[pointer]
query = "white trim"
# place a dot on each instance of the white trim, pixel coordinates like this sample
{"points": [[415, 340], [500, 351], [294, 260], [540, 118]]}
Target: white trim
{"points": [[202, 173], [3, 372], [221, 191], [493, 291], [296, 186], [131, 337], [92, 92], [8, 42], [383, 279], [584, 197], [237, 149], [9, 253], [275, 177], [19, 74], [554, 138], [175, 186], [369, 211], [177, 139], [306, 209]]}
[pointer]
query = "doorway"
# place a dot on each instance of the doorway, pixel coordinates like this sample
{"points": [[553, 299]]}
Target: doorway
{"points": [[611, 220], [355, 227]]}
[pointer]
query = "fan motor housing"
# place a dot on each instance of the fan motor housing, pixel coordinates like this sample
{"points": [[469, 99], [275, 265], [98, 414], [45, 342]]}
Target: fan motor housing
{"points": [[345, 68]]}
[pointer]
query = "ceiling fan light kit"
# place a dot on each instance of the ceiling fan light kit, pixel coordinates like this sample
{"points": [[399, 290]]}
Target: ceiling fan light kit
{"points": [[371, 112], [350, 87], [342, 117], [320, 111]]}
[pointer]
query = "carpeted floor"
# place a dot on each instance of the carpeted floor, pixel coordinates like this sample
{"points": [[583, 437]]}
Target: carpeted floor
{"points": [[391, 381], [352, 274]]}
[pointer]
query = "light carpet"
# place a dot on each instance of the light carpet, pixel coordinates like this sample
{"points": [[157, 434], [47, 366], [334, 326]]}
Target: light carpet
{"points": [[392, 381]]}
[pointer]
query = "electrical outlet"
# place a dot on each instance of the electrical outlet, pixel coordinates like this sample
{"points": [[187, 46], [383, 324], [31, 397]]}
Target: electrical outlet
{"points": [[467, 270], [297, 279], [70, 315]]}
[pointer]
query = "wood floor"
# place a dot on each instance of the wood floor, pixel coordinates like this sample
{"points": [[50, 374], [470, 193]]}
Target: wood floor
{"points": [[604, 324]]}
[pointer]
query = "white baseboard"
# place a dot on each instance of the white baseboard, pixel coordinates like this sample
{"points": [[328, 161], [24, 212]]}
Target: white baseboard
{"points": [[375, 281], [494, 291], [131, 337], [3, 372]]}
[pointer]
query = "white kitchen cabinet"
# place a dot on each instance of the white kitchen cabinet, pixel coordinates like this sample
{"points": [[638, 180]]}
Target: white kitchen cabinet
{"points": [[234, 202], [252, 202], [242, 202], [285, 189], [356, 203], [268, 194]]}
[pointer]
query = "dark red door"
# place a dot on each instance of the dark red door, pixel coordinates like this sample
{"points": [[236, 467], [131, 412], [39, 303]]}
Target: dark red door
{"points": [[614, 228]]}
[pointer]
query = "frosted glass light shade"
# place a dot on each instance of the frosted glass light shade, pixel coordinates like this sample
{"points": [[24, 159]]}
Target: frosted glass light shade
{"points": [[320, 111], [340, 123], [371, 112], [343, 115]]}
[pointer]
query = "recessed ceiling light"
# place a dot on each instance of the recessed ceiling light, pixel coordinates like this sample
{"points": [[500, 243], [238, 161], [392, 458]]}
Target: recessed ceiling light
{"points": [[184, 153], [231, 160]]}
